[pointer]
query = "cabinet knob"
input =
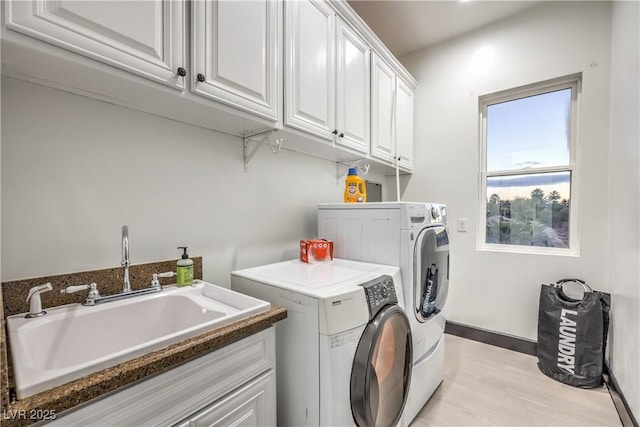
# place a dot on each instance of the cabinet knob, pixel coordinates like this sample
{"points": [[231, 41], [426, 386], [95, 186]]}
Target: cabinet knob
{"points": [[182, 72], [341, 135], [335, 132], [201, 77]]}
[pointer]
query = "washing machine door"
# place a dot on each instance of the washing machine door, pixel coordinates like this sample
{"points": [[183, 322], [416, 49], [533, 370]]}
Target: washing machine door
{"points": [[382, 369], [431, 272]]}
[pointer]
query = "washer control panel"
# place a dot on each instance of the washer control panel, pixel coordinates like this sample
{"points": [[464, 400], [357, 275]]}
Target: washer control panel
{"points": [[379, 292]]}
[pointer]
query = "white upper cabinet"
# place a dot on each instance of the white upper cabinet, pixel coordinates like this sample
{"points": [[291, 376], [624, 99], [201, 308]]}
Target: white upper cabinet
{"points": [[236, 46], [391, 116], [328, 76], [310, 67], [382, 110], [404, 124], [353, 102], [146, 38]]}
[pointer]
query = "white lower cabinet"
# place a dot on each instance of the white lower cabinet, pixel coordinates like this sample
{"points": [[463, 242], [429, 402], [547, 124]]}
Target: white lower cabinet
{"points": [[235, 385], [251, 405]]}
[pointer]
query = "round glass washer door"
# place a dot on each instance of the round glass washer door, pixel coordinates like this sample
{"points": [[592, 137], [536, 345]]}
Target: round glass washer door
{"points": [[431, 272], [381, 369]]}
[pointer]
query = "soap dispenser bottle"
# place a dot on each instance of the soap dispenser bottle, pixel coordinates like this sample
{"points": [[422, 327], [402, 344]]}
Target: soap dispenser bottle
{"points": [[184, 268]]}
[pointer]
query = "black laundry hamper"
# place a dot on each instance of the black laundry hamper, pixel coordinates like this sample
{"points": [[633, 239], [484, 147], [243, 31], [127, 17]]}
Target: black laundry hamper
{"points": [[572, 334]]}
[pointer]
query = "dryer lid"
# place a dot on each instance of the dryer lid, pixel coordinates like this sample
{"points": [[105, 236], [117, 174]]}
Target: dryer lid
{"points": [[322, 280]]}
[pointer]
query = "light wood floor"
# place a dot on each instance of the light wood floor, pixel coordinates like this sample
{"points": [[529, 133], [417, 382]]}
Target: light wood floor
{"points": [[490, 386]]}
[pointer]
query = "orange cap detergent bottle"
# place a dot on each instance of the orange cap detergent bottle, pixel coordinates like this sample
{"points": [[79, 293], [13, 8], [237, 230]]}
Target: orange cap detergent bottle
{"points": [[355, 190]]}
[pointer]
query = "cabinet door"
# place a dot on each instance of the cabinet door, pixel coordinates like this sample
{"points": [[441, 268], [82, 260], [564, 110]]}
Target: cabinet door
{"points": [[310, 67], [382, 110], [235, 49], [182, 392], [404, 124], [353, 106], [146, 38], [251, 405]]}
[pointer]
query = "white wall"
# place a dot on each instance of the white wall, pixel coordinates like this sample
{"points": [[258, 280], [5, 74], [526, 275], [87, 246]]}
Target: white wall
{"points": [[74, 170], [499, 291], [624, 193]]}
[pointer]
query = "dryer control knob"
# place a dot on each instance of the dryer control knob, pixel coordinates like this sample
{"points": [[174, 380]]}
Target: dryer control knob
{"points": [[384, 291], [434, 212]]}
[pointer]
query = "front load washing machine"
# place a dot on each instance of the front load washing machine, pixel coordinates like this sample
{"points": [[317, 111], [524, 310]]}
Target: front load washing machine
{"points": [[414, 237], [344, 352]]}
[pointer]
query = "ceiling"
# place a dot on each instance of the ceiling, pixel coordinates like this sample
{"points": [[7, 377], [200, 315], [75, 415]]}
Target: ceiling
{"points": [[406, 26]]}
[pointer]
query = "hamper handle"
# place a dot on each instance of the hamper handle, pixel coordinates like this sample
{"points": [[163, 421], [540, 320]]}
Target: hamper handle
{"points": [[584, 285]]}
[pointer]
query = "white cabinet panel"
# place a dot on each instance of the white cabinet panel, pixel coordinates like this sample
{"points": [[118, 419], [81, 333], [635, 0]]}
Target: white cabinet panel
{"points": [[105, 18], [391, 116], [252, 405], [353, 108], [404, 124], [312, 65], [182, 392], [146, 38], [382, 110], [328, 76], [235, 52], [309, 67]]}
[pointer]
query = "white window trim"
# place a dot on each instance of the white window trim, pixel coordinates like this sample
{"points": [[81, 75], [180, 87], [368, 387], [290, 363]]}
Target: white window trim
{"points": [[575, 82]]}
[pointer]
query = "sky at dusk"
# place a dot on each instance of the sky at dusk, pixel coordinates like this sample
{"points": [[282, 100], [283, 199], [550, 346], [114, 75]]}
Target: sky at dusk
{"points": [[527, 133]]}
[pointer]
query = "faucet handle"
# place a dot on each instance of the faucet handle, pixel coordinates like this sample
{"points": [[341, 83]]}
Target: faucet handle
{"points": [[167, 274], [73, 289], [76, 288], [93, 289], [91, 297], [155, 283]]}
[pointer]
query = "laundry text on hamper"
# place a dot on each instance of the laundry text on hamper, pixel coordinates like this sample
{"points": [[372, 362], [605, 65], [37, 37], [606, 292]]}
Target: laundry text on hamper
{"points": [[567, 343]]}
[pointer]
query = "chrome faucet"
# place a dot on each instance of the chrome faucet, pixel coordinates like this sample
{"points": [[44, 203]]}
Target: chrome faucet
{"points": [[126, 285], [94, 296]]}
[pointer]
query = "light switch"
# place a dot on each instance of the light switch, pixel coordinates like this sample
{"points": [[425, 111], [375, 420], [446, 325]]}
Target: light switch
{"points": [[462, 225]]}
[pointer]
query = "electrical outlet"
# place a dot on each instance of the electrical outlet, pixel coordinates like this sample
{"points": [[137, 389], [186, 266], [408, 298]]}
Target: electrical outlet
{"points": [[462, 225]]}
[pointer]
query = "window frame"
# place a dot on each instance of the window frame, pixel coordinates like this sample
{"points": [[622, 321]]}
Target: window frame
{"points": [[574, 82]]}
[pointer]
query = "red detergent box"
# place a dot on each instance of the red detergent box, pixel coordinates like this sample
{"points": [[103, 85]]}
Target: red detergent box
{"points": [[316, 250]]}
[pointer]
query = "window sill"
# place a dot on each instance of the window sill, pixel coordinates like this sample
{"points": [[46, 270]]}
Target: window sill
{"points": [[531, 250]]}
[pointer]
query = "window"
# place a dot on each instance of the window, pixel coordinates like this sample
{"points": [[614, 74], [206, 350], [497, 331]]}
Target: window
{"points": [[528, 168]]}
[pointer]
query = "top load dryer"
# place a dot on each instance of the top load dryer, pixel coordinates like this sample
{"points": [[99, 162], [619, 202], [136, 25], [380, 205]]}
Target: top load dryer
{"points": [[345, 349], [412, 236]]}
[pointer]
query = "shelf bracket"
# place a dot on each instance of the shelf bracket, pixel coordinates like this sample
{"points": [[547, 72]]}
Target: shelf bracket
{"points": [[342, 168], [275, 146]]}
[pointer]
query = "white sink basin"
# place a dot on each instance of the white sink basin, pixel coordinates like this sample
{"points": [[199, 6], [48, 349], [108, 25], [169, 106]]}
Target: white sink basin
{"points": [[72, 341]]}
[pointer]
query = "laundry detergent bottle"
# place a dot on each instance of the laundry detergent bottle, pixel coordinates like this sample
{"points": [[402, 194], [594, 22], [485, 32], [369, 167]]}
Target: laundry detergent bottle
{"points": [[355, 190]]}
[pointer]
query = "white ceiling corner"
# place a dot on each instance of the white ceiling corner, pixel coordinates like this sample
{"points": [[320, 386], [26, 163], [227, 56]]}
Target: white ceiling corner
{"points": [[406, 26]]}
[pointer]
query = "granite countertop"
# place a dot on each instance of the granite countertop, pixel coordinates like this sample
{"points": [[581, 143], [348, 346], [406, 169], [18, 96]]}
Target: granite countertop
{"points": [[56, 400]]}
